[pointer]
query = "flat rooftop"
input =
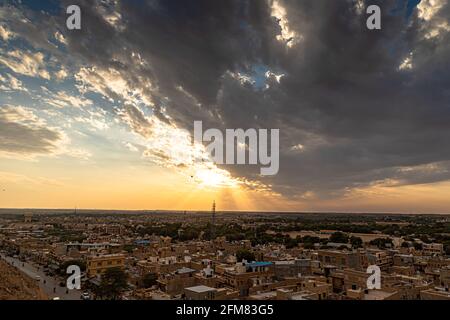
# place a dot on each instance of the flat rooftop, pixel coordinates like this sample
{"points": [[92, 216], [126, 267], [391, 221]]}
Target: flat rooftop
{"points": [[259, 264], [377, 295], [200, 289], [184, 270]]}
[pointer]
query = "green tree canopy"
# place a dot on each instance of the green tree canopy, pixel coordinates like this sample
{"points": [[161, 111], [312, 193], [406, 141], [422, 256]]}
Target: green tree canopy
{"points": [[149, 280], [244, 254], [63, 266], [339, 237], [112, 284], [382, 243], [356, 242]]}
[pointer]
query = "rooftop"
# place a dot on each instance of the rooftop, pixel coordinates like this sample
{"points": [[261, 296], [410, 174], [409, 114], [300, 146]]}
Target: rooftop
{"points": [[377, 295], [259, 264], [200, 289], [185, 270]]}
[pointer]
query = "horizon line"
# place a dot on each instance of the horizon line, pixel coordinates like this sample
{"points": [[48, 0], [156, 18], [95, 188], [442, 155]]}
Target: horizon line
{"points": [[230, 211]]}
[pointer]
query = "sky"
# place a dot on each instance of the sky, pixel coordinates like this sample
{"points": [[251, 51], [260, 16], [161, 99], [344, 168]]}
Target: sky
{"points": [[103, 117]]}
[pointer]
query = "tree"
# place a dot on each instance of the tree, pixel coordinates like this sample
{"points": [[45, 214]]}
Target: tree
{"points": [[129, 248], [447, 250], [418, 245], [405, 244], [63, 267], [356, 242], [308, 245], [339, 237], [382, 243], [291, 243], [149, 280], [112, 284], [244, 254]]}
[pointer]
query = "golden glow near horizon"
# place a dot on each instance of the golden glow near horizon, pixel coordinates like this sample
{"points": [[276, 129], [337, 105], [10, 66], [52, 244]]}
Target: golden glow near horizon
{"points": [[128, 179], [130, 188], [53, 185]]}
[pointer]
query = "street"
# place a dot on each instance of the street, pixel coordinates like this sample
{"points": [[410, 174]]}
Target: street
{"points": [[48, 284]]}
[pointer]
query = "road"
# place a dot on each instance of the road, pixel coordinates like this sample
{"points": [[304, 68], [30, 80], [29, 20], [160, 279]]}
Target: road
{"points": [[48, 284]]}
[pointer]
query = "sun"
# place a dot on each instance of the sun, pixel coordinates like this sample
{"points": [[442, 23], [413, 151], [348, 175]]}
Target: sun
{"points": [[214, 177]]}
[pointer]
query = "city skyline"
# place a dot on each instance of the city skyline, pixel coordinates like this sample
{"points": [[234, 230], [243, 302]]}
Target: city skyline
{"points": [[103, 117], [184, 256]]}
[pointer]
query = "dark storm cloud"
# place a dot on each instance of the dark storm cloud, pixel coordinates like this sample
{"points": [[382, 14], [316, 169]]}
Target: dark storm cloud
{"points": [[37, 27], [21, 134], [359, 118]]}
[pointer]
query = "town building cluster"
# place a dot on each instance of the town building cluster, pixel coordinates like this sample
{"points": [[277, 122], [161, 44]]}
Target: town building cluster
{"points": [[159, 267]]}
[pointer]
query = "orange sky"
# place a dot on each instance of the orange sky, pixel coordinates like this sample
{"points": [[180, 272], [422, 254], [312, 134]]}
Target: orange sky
{"points": [[65, 183]]}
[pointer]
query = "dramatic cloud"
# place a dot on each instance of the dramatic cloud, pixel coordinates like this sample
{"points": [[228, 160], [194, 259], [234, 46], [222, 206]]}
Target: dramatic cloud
{"points": [[24, 135], [11, 83], [5, 34], [62, 99], [25, 63], [355, 108]]}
